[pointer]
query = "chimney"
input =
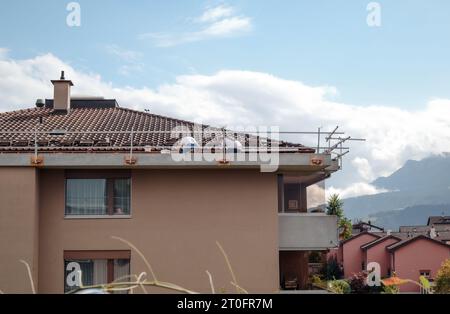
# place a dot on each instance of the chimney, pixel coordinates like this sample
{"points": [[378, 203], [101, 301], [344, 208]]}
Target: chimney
{"points": [[61, 94]]}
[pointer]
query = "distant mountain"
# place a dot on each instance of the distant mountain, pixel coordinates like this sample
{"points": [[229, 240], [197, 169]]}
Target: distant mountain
{"points": [[410, 216], [424, 182], [426, 174]]}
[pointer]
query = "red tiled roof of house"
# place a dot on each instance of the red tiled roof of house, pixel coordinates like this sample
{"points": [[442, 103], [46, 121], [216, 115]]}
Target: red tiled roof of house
{"points": [[377, 241], [402, 243], [376, 235], [95, 121]]}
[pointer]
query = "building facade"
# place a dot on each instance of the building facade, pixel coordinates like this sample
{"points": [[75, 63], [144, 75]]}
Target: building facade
{"points": [[76, 174]]}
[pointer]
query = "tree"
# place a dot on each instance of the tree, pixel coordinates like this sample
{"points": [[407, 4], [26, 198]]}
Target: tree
{"points": [[442, 280], [345, 225], [335, 207], [331, 269]]}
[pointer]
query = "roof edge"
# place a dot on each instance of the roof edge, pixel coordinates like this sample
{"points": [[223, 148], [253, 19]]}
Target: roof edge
{"points": [[398, 245], [369, 245], [358, 235]]}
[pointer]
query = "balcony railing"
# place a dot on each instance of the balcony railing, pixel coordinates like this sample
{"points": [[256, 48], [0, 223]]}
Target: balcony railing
{"points": [[307, 231]]}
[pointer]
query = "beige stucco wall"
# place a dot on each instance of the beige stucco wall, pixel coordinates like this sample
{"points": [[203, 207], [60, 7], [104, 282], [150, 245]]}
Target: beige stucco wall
{"points": [[18, 228], [177, 216]]}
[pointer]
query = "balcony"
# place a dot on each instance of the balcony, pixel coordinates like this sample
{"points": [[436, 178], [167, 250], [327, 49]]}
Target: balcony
{"points": [[307, 231]]}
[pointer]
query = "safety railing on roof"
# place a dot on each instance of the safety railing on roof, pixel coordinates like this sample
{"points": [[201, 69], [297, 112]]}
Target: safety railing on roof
{"points": [[181, 140]]}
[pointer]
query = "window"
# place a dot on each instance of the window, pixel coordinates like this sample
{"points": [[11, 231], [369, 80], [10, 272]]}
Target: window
{"points": [[300, 193], [96, 267], [97, 194], [121, 196], [86, 197], [425, 273]]}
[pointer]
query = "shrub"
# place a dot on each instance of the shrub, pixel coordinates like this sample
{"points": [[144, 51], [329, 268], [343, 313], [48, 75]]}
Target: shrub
{"points": [[339, 286], [317, 282], [315, 257], [390, 290], [442, 280], [331, 269], [358, 283]]}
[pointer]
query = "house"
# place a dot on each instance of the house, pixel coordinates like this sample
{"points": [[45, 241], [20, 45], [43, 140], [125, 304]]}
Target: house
{"points": [[411, 252], [415, 257], [76, 172], [439, 220], [375, 251], [352, 256], [365, 226]]}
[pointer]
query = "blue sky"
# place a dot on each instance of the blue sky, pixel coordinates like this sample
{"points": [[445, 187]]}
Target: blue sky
{"points": [[403, 63], [294, 64]]}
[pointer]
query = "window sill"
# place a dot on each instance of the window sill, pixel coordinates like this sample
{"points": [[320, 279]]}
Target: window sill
{"points": [[97, 217]]}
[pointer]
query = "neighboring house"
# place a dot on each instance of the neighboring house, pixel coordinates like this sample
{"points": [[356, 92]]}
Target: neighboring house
{"points": [[439, 220], [411, 252], [365, 227], [352, 255], [375, 251], [415, 257], [75, 172]]}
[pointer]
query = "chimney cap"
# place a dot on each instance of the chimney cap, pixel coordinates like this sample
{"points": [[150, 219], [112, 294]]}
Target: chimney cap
{"points": [[62, 80], [40, 103]]}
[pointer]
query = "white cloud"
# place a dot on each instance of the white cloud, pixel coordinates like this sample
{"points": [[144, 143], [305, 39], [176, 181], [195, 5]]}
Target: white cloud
{"points": [[364, 168], [241, 98], [218, 22], [215, 13], [355, 189]]}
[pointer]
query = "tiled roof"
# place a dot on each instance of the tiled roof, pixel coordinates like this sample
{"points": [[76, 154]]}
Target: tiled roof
{"points": [[376, 235], [93, 119], [424, 229], [436, 220], [402, 243], [377, 241]]}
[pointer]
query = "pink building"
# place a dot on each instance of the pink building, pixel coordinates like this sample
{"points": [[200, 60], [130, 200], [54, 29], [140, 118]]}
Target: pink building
{"points": [[375, 251], [417, 256], [352, 255]]}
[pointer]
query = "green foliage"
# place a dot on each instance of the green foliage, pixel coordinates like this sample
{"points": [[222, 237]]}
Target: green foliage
{"points": [[331, 269], [345, 225], [390, 290], [334, 206], [315, 257], [318, 282], [442, 280], [339, 286]]}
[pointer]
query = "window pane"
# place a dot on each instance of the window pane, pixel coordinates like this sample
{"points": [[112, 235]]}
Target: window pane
{"points": [[121, 272], [86, 197], [71, 268], [93, 272], [122, 196], [292, 197]]}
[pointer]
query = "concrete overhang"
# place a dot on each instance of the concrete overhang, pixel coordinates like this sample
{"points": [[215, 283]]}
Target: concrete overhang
{"points": [[284, 161]]}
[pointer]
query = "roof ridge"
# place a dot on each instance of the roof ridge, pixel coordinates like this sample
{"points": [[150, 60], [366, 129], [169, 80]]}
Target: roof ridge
{"points": [[157, 115]]}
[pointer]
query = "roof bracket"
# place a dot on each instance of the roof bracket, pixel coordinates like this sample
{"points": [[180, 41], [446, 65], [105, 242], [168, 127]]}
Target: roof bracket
{"points": [[37, 160], [130, 160]]}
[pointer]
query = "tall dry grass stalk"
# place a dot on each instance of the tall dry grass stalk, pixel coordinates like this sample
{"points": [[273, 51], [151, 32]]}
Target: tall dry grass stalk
{"points": [[211, 284], [29, 275], [141, 281], [239, 289]]}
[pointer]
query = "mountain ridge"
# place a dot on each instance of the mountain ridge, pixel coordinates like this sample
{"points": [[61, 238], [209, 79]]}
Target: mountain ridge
{"points": [[418, 183]]}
